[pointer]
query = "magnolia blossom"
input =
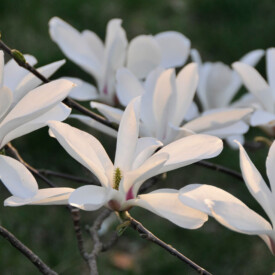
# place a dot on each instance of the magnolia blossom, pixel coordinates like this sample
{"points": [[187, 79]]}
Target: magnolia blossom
{"points": [[263, 92], [22, 110], [144, 53], [218, 85], [166, 100], [135, 162], [233, 213]]}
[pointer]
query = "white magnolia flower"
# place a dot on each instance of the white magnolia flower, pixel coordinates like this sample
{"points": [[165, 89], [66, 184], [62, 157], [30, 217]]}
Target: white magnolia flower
{"points": [[263, 92], [219, 84], [135, 162], [165, 102], [233, 213], [23, 111], [144, 53]]}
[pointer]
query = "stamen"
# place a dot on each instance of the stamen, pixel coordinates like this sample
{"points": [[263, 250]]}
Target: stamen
{"points": [[117, 178]]}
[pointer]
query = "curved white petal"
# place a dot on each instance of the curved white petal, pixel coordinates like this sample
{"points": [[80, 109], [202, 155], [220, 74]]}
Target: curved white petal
{"points": [[58, 112], [240, 218], [47, 196], [187, 81], [192, 112], [217, 119], [13, 73], [30, 81], [144, 55], [83, 90], [236, 128], [270, 59], [255, 183], [146, 146], [165, 203], [89, 197], [111, 113], [175, 48], [231, 141], [6, 98], [270, 164], [84, 148], [2, 62], [75, 46], [190, 149], [261, 117], [34, 104], [127, 137], [96, 125], [17, 178], [164, 100], [128, 86], [255, 83]]}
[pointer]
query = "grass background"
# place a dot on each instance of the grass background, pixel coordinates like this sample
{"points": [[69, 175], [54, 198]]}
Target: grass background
{"points": [[221, 30]]}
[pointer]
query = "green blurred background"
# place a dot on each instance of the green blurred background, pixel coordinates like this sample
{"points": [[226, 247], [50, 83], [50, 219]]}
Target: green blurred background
{"points": [[220, 30]]}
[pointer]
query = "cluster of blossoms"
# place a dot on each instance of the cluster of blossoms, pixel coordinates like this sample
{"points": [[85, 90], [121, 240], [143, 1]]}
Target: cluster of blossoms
{"points": [[161, 128]]}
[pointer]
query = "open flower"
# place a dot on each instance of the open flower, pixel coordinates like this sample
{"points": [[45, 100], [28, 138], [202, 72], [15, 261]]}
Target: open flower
{"points": [[233, 213], [144, 53], [23, 111], [263, 92], [135, 162], [218, 85], [166, 100]]}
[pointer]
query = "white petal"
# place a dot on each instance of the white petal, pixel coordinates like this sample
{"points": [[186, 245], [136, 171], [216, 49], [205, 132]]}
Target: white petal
{"points": [[175, 48], [128, 86], [164, 101], [75, 46], [111, 113], [217, 119], [83, 90], [192, 112], [89, 197], [255, 83], [195, 196], [253, 57], [34, 104], [84, 148], [190, 149], [30, 81], [132, 180], [96, 125], [2, 62], [236, 128], [6, 99], [195, 56], [261, 117], [146, 146], [13, 73], [255, 183], [47, 196], [270, 59], [187, 81], [240, 218], [58, 112], [127, 137], [17, 178], [231, 141], [270, 164], [165, 203], [144, 55]]}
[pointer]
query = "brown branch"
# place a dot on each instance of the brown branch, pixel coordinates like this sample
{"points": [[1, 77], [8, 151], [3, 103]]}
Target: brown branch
{"points": [[220, 168], [149, 236], [14, 153], [66, 176], [42, 267], [70, 102]]}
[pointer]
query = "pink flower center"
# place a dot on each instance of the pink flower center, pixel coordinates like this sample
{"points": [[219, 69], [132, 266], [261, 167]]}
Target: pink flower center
{"points": [[130, 194]]}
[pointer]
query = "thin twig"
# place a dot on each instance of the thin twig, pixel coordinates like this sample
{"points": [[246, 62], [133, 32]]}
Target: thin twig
{"points": [[70, 102], [66, 176], [98, 246], [13, 151], [220, 168], [146, 234], [43, 268]]}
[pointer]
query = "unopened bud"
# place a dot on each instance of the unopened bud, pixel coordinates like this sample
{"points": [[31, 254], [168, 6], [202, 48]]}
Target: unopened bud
{"points": [[18, 57]]}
